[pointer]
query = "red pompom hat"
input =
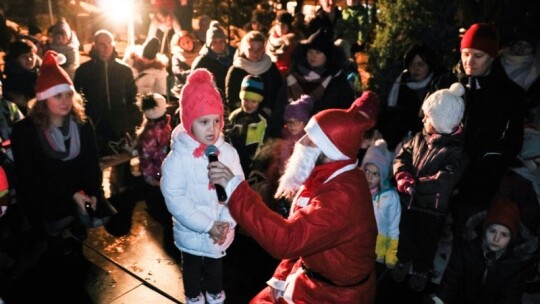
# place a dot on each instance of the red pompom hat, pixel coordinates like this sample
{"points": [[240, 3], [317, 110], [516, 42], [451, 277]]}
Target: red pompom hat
{"points": [[52, 78], [339, 133], [483, 37], [504, 211]]}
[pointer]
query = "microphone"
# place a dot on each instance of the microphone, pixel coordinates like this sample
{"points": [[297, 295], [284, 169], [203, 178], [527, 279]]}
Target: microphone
{"points": [[211, 152]]}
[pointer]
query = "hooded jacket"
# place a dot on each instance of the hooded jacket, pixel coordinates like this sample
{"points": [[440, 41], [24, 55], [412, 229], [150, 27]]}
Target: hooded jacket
{"points": [[189, 198], [471, 278]]}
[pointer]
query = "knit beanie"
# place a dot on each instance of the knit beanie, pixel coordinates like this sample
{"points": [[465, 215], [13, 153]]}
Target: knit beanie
{"points": [[214, 32], [299, 109], [321, 40], [61, 27], [285, 17], [445, 108], [252, 88], [503, 211], [379, 155], [199, 97], [483, 37], [151, 48], [338, 132], [531, 144], [153, 105], [52, 78]]}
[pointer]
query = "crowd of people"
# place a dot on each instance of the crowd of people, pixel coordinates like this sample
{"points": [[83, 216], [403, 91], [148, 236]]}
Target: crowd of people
{"points": [[433, 194]]}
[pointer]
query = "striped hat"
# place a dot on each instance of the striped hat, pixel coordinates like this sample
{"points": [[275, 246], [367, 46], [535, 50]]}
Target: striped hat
{"points": [[252, 88]]}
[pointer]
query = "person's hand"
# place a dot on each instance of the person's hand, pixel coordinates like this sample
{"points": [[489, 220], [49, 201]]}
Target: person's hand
{"points": [[218, 173], [405, 182], [219, 231], [81, 199]]}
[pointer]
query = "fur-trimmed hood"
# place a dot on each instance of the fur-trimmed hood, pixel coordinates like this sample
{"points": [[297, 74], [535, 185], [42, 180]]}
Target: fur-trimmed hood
{"points": [[523, 246]]}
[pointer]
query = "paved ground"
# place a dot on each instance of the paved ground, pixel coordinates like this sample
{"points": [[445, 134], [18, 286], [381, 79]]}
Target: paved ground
{"points": [[141, 266]]}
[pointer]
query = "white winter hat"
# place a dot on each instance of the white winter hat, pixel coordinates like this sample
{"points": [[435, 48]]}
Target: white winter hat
{"points": [[445, 108], [153, 105]]}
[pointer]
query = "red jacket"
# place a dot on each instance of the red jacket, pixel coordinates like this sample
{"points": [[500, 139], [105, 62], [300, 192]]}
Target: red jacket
{"points": [[333, 234]]}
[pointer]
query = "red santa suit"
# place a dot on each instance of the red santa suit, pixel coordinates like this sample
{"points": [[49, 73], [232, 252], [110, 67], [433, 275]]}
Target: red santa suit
{"points": [[328, 242]]}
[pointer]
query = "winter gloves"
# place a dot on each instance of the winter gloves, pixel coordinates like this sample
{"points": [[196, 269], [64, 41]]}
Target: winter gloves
{"points": [[405, 182]]}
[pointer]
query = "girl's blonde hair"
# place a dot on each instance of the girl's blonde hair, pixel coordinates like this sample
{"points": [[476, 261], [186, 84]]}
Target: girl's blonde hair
{"points": [[39, 112]]}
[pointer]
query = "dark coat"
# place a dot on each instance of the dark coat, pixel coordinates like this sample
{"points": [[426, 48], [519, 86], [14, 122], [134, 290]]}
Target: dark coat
{"points": [[47, 185], [218, 66], [109, 89], [337, 95], [272, 83], [436, 163], [494, 113], [504, 281], [395, 123]]}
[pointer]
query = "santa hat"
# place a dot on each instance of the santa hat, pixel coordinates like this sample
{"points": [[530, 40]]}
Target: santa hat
{"points": [[445, 108], [4, 188], [151, 48], [52, 78], [214, 32], [153, 105], [199, 97], [483, 37], [299, 109], [252, 88], [379, 155], [368, 103], [503, 211], [338, 132]]}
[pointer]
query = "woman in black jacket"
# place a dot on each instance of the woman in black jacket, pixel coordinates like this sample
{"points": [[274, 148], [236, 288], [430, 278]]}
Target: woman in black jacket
{"points": [[56, 157]]}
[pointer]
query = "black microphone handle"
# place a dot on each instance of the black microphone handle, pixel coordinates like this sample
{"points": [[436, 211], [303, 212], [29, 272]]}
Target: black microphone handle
{"points": [[220, 191]]}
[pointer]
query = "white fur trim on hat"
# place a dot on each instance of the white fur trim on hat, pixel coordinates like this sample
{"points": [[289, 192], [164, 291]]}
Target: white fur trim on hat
{"points": [[445, 108], [60, 88], [322, 141], [159, 110]]}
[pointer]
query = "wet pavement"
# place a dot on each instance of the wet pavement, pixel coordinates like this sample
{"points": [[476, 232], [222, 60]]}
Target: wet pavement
{"points": [[141, 266]]}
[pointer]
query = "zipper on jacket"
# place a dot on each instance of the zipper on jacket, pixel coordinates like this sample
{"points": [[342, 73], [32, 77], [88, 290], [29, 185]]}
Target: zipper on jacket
{"points": [[107, 84], [437, 200]]}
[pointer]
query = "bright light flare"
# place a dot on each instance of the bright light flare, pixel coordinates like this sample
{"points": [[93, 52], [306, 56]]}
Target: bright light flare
{"points": [[118, 10]]}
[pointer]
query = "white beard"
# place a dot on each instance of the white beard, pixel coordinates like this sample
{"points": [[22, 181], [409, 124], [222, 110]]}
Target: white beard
{"points": [[297, 170]]}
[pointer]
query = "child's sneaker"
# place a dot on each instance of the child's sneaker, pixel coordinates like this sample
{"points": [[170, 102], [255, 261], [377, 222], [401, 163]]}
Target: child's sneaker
{"points": [[216, 298], [197, 300]]}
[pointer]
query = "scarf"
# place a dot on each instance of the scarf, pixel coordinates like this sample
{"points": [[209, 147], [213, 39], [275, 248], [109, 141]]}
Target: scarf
{"points": [[186, 56], [54, 140], [307, 76], [523, 70], [413, 85], [320, 174], [253, 68]]}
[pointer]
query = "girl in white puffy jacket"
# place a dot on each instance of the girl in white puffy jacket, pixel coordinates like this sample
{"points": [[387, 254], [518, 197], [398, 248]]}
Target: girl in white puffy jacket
{"points": [[203, 228]]}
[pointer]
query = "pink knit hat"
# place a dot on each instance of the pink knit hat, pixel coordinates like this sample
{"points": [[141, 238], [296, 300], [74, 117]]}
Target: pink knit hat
{"points": [[199, 97], [52, 78]]}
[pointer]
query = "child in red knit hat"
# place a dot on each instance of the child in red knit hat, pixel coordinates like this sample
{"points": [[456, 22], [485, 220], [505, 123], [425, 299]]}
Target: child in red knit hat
{"points": [[203, 228], [490, 263]]}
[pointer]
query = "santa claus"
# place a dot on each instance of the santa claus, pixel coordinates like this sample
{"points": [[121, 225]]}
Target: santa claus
{"points": [[327, 245]]}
